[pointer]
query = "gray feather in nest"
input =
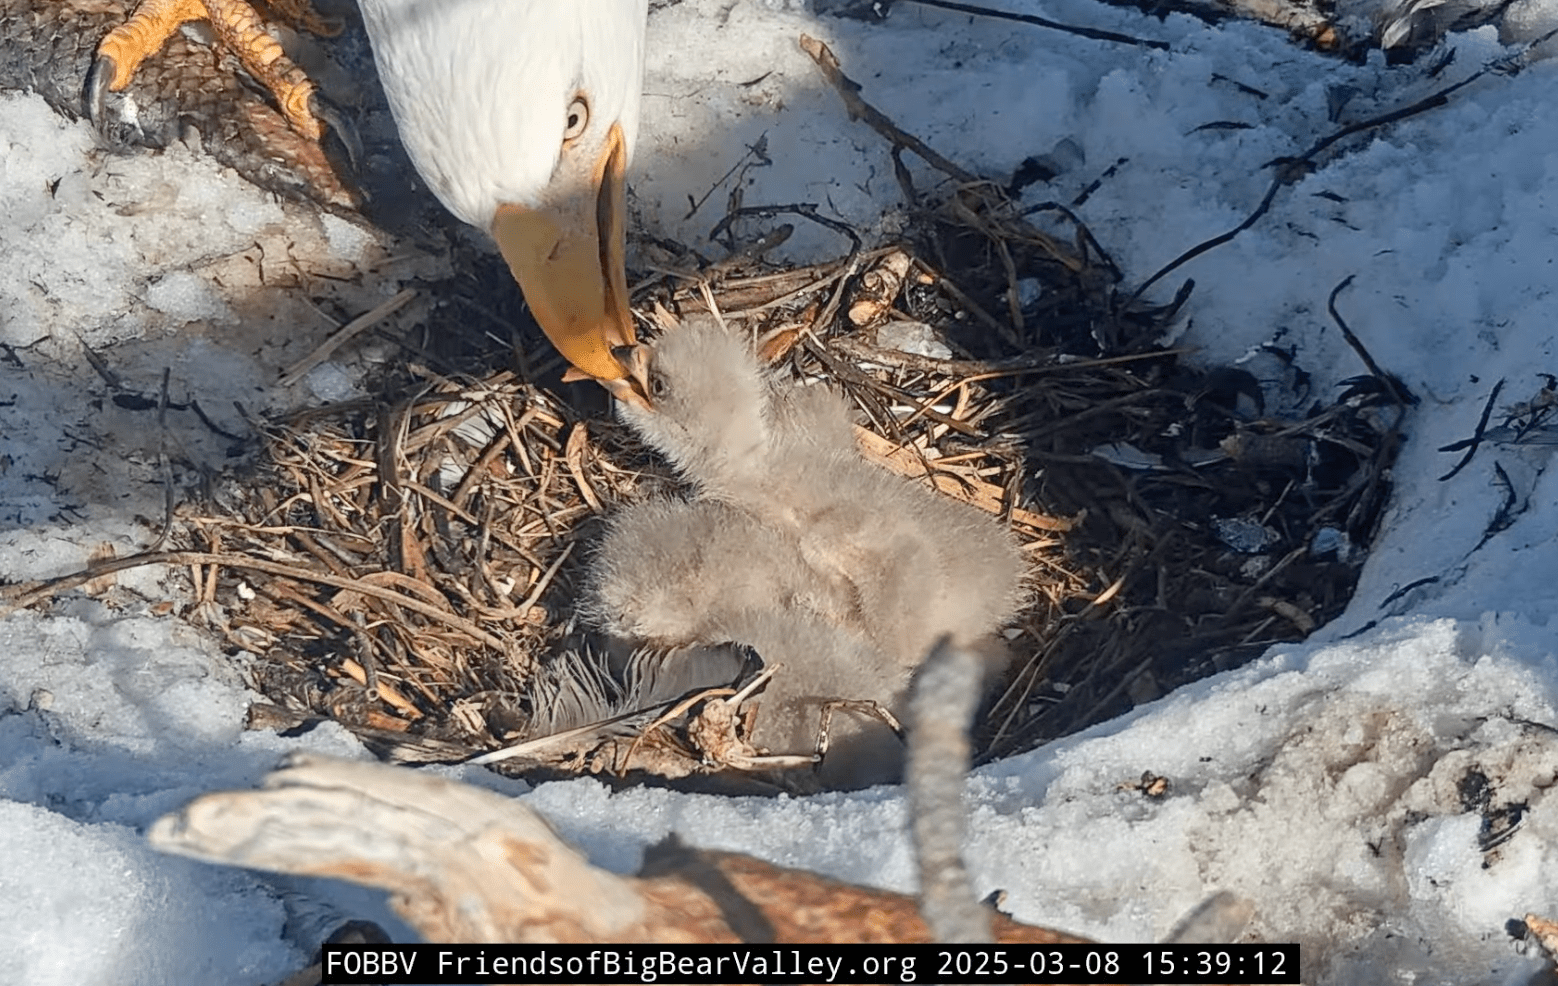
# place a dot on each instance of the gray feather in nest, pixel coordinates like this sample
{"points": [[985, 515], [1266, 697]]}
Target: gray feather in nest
{"points": [[590, 684]]}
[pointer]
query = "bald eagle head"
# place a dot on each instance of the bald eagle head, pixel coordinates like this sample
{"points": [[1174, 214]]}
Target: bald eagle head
{"points": [[521, 116]]}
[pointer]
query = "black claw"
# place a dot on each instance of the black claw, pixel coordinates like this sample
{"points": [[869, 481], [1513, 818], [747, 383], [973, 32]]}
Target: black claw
{"points": [[113, 129], [339, 125], [95, 92]]}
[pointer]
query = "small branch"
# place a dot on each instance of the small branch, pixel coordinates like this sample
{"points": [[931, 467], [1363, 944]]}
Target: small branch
{"points": [[805, 209], [859, 109], [757, 151], [1415, 584], [344, 334], [1471, 445], [1505, 516], [1213, 243], [1399, 395], [1085, 238], [1084, 32], [1044, 363]]}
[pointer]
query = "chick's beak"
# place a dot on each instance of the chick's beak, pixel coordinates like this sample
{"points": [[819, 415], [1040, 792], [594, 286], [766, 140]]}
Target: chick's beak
{"points": [[567, 255]]}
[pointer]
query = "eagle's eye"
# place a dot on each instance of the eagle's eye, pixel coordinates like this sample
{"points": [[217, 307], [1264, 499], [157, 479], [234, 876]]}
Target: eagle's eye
{"points": [[578, 118]]}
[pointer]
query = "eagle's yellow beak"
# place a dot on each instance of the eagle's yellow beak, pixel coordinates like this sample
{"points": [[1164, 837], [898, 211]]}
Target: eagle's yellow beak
{"points": [[568, 256]]}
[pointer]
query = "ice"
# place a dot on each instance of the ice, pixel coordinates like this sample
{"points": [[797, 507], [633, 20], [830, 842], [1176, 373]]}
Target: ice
{"points": [[331, 382], [184, 297]]}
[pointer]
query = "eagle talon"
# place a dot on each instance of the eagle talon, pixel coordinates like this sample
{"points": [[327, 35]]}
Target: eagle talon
{"points": [[237, 28], [117, 131], [345, 132], [100, 78]]}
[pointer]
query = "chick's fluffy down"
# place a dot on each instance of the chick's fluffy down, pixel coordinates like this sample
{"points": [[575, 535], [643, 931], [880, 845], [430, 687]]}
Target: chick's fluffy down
{"points": [[916, 564], [794, 545]]}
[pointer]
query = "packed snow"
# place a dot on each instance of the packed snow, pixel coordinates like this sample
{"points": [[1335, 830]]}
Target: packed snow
{"points": [[1326, 782]]}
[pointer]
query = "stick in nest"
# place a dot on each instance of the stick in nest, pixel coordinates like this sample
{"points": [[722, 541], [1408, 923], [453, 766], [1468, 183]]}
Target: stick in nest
{"points": [[37, 593], [859, 109]]}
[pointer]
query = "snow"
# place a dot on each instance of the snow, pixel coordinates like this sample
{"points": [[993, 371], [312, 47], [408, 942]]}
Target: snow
{"points": [[1323, 782]]}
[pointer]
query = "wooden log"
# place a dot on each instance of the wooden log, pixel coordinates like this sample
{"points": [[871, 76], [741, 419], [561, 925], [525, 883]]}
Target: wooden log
{"points": [[467, 865]]}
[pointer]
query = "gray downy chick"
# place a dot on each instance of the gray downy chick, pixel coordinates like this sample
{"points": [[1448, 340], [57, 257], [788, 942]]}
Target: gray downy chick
{"points": [[684, 574], [795, 546], [916, 565]]}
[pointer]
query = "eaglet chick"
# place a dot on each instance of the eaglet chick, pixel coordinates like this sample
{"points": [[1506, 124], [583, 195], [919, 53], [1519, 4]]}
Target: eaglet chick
{"points": [[914, 564], [793, 544], [685, 575]]}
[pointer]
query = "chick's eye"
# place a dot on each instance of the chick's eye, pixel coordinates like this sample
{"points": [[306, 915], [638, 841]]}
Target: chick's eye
{"points": [[658, 385], [578, 118]]}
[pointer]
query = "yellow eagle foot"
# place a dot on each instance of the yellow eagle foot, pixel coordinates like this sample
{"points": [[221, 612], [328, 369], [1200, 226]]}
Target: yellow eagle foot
{"points": [[240, 30]]}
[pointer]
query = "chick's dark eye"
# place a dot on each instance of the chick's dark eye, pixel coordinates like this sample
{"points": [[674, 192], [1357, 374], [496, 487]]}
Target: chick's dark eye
{"points": [[658, 385]]}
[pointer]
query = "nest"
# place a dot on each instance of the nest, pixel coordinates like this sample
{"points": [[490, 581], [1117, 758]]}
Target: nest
{"points": [[408, 565]]}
